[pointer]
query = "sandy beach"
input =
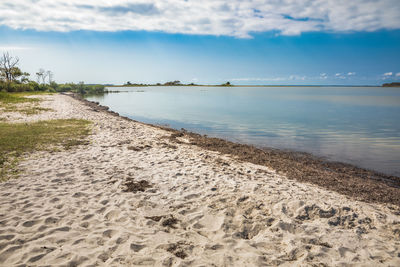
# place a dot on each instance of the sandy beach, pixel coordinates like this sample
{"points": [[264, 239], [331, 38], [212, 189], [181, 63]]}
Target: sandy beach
{"points": [[134, 197]]}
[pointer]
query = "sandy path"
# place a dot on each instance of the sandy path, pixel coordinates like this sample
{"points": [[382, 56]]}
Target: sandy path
{"points": [[203, 209]]}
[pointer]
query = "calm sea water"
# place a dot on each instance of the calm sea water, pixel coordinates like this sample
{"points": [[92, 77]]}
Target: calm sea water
{"points": [[357, 125]]}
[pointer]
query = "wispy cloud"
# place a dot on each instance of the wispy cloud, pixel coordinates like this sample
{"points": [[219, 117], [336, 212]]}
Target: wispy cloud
{"points": [[398, 74], [14, 48], [351, 73], [340, 76], [216, 17], [387, 75]]}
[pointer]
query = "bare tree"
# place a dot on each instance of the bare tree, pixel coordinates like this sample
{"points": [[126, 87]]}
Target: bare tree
{"points": [[41, 76], [8, 67], [50, 75]]}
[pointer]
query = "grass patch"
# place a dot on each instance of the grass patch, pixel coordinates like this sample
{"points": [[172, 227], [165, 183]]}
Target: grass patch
{"points": [[18, 102], [27, 110], [16, 98], [19, 138]]}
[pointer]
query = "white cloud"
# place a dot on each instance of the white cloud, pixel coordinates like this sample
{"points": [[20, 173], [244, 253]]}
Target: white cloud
{"points": [[388, 74], [351, 73], [340, 76], [215, 17], [398, 74]]}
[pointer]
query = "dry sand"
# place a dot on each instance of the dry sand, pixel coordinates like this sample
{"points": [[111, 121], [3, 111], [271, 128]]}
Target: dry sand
{"points": [[200, 208]]}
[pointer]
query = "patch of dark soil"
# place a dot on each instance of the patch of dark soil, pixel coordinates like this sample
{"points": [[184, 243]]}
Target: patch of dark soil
{"points": [[170, 222], [154, 218], [138, 148], [222, 162], [125, 142], [174, 136], [165, 145], [244, 198], [177, 249], [133, 186]]}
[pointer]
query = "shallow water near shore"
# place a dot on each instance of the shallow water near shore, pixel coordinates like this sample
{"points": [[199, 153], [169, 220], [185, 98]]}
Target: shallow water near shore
{"points": [[356, 125]]}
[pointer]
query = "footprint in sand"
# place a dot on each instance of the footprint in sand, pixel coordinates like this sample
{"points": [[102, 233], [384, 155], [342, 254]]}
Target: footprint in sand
{"points": [[6, 237], [51, 220], [4, 255], [78, 194], [36, 258], [112, 214], [87, 217], [137, 247], [109, 233], [122, 239], [29, 223], [54, 200]]}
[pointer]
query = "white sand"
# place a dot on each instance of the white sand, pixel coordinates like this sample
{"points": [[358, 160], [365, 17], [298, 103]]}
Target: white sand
{"points": [[69, 208]]}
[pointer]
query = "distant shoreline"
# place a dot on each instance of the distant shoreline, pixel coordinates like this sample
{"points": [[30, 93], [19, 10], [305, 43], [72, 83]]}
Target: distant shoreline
{"points": [[205, 85]]}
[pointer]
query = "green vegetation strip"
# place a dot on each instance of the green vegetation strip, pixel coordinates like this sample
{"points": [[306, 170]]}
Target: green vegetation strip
{"points": [[19, 138]]}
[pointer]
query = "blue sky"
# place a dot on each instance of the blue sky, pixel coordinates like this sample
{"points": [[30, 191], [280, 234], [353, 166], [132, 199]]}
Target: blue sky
{"points": [[245, 42]]}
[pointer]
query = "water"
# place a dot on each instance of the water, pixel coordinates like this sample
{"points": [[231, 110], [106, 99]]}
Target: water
{"points": [[357, 125]]}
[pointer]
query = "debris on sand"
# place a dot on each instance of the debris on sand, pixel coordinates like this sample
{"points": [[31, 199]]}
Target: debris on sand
{"points": [[177, 249], [170, 222], [133, 186]]}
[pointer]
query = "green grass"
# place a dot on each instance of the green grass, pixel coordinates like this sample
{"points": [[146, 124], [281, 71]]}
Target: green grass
{"points": [[18, 102], [19, 138], [15, 98], [27, 110]]}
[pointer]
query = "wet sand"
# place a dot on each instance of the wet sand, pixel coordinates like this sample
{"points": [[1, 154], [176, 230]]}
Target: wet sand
{"points": [[139, 195]]}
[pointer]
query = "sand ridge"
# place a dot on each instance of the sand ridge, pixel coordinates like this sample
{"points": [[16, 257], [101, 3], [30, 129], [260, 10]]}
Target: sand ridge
{"points": [[200, 208]]}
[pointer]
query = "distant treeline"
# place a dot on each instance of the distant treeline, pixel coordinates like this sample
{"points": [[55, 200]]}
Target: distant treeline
{"points": [[171, 83], [12, 79], [394, 84]]}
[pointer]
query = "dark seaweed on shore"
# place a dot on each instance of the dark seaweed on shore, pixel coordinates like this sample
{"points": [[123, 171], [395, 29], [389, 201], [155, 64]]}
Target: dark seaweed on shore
{"points": [[358, 183]]}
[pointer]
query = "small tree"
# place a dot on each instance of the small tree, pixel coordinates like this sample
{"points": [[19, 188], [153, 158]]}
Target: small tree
{"points": [[9, 67], [50, 76], [39, 75], [81, 88]]}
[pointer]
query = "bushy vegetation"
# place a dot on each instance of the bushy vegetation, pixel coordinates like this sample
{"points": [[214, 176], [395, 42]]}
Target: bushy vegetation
{"points": [[12, 79], [81, 88], [53, 87], [393, 84], [226, 84], [19, 138]]}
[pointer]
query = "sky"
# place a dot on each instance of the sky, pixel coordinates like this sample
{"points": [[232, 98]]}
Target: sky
{"points": [[302, 42]]}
